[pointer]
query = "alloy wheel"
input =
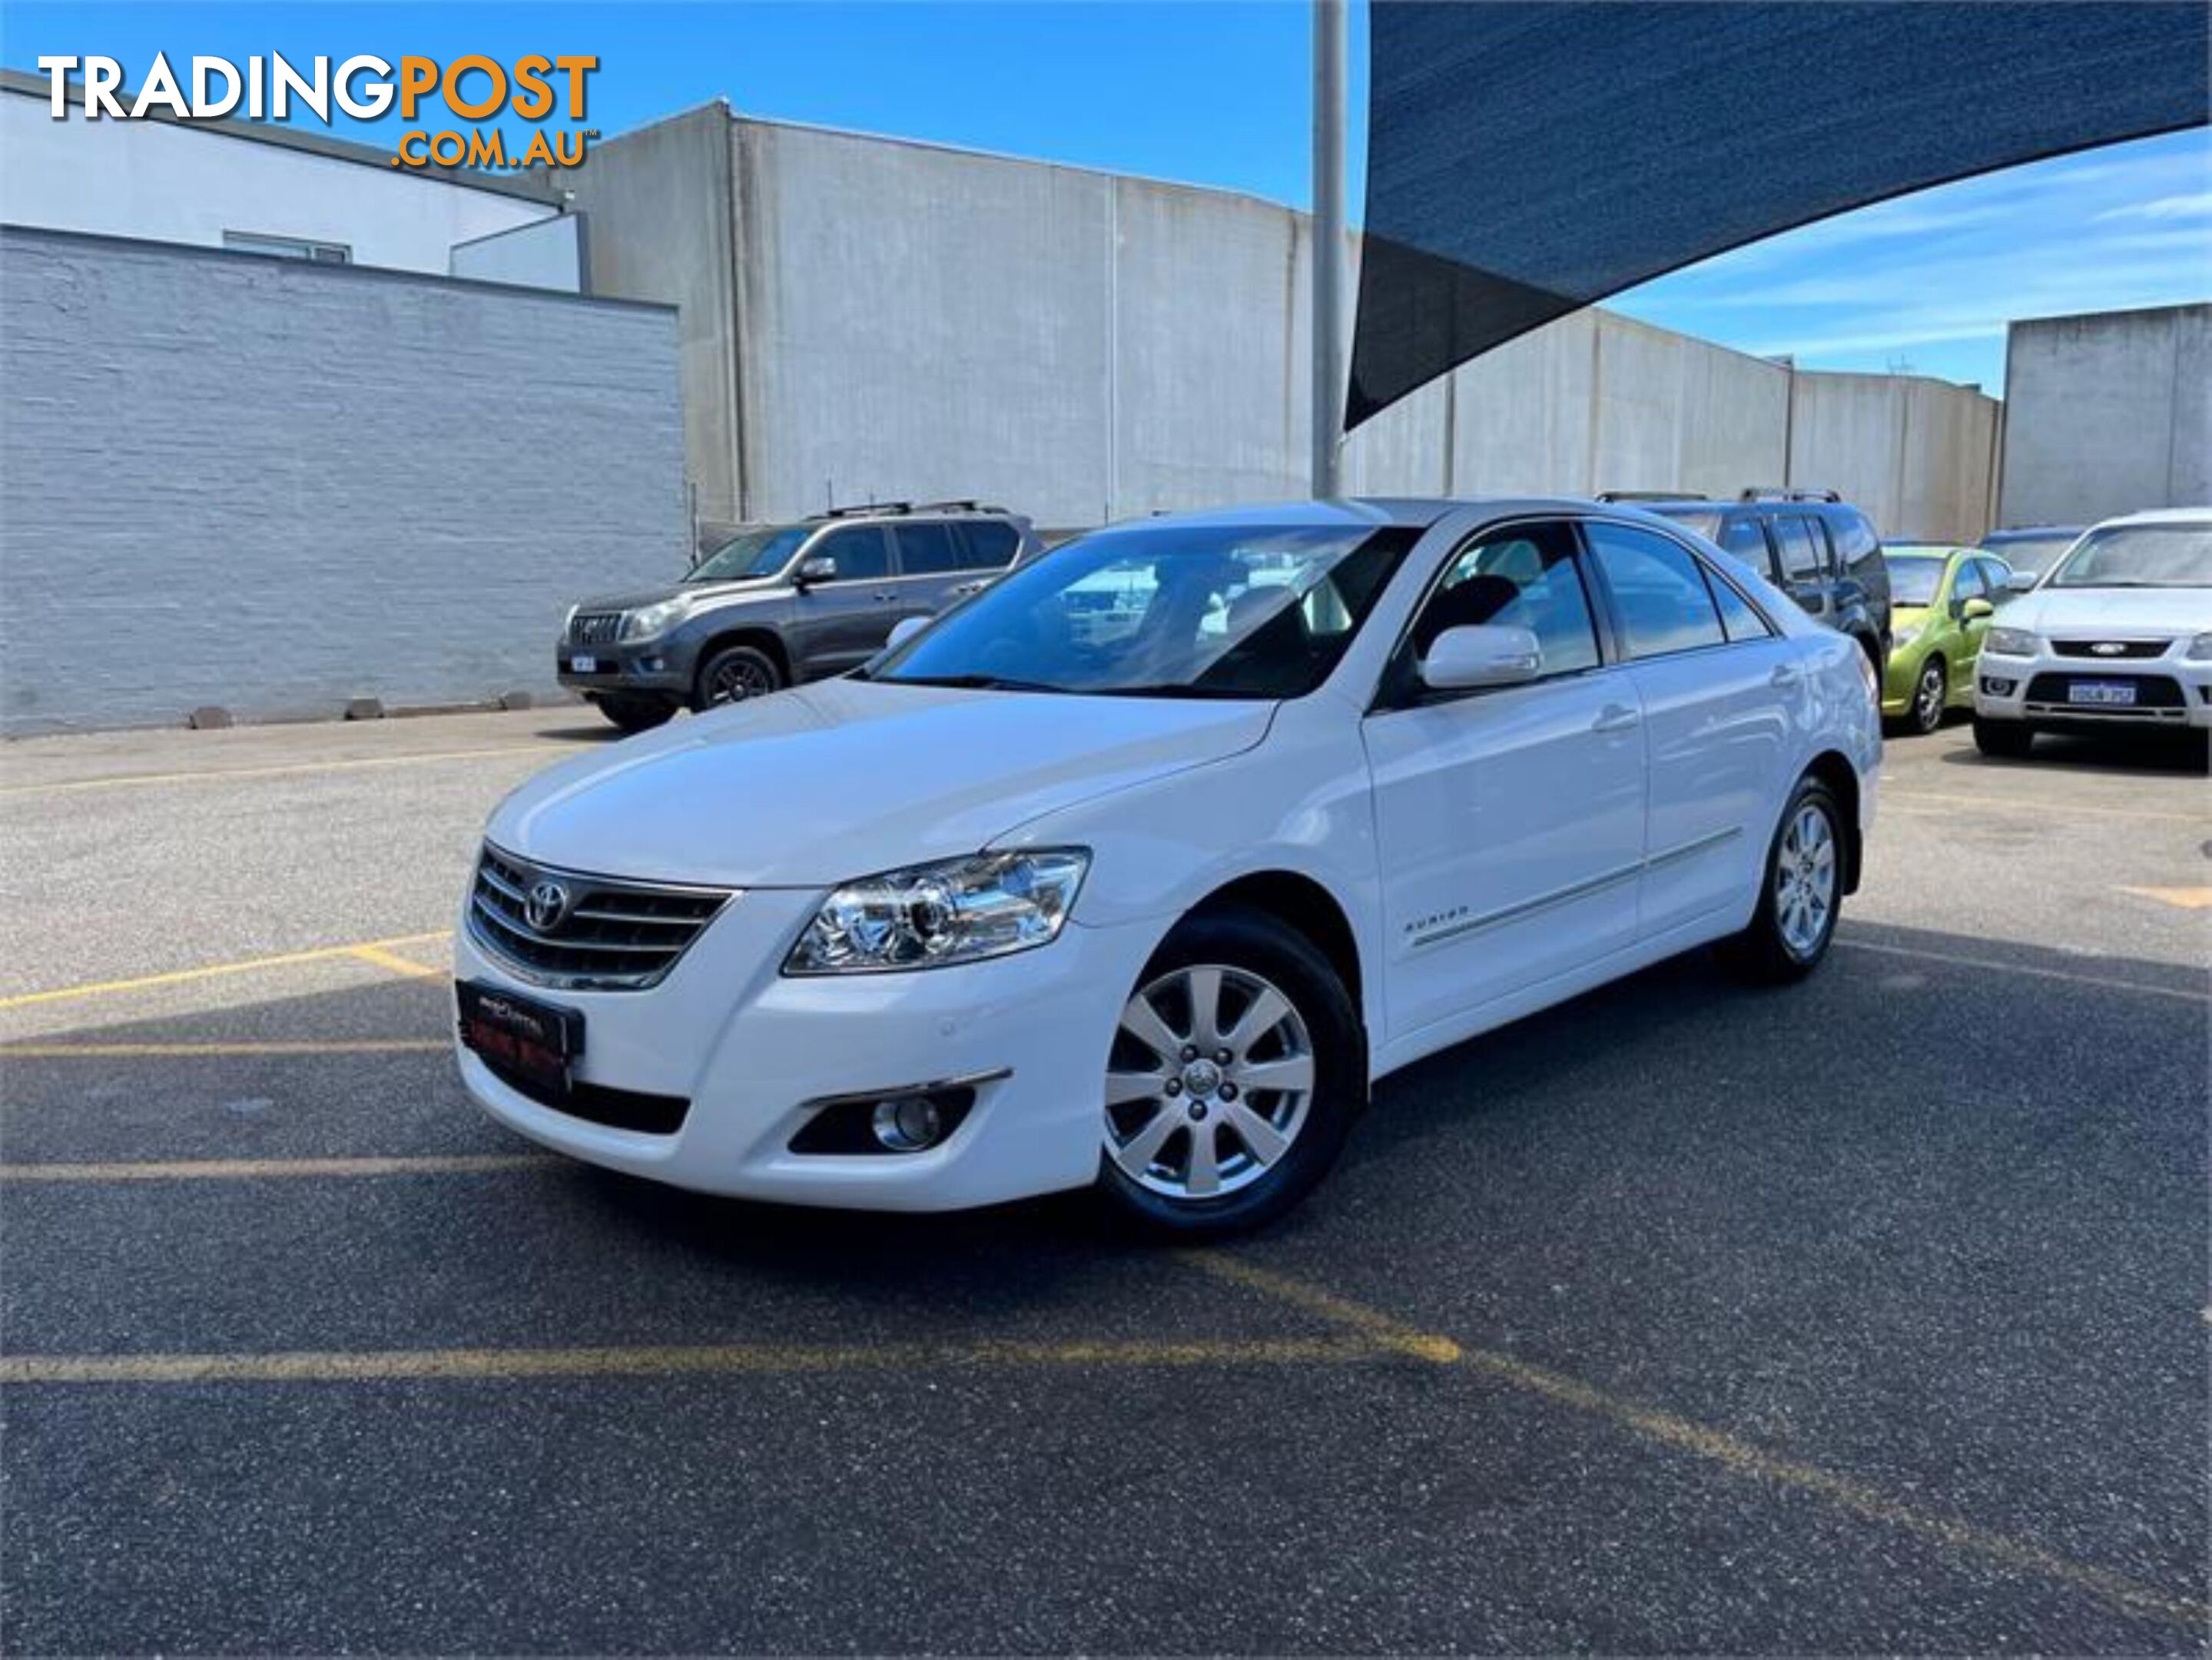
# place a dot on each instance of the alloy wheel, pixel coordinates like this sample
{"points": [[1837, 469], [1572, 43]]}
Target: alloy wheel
{"points": [[1928, 698], [1210, 1079], [1805, 880], [734, 681]]}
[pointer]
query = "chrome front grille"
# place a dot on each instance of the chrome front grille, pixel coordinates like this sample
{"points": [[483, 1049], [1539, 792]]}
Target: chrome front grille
{"points": [[595, 628], [561, 927]]}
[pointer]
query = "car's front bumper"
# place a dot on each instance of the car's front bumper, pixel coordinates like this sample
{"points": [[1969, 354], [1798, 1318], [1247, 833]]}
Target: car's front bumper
{"points": [[2171, 690], [751, 1050], [649, 667]]}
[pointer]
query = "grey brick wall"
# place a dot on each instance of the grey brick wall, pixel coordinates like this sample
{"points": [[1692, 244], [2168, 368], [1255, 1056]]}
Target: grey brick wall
{"points": [[274, 486]]}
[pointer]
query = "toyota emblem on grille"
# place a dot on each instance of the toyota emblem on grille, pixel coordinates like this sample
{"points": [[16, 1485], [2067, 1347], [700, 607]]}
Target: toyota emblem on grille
{"points": [[2108, 648], [545, 905]]}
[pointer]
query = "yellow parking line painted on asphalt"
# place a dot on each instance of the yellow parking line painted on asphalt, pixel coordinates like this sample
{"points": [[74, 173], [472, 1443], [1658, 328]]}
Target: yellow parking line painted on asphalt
{"points": [[2179, 898], [219, 1049], [221, 774], [180, 976], [2109, 982], [1370, 1323], [753, 1358], [246, 1170], [1910, 798], [1745, 1459], [401, 965], [1740, 1456]]}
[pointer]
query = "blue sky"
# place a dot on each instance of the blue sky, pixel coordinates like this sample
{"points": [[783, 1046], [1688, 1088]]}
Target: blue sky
{"points": [[1217, 93]]}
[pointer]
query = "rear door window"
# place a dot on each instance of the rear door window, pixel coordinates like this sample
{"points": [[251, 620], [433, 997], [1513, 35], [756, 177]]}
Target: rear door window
{"points": [[1659, 589], [927, 549], [1801, 556], [1857, 545], [990, 544], [1747, 539]]}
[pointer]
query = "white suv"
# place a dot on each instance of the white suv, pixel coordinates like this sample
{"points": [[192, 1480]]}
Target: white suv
{"points": [[2118, 633], [1138, 868]]}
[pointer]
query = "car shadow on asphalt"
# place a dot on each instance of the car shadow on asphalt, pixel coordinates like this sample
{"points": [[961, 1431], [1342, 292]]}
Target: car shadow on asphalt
{"points": [[2117, 754]]}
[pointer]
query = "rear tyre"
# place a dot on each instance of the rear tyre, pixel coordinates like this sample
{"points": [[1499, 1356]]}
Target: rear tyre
{"points": [[1235, 1074], [2007, 740], [634, 714], [1801, 893], [735, 673]]}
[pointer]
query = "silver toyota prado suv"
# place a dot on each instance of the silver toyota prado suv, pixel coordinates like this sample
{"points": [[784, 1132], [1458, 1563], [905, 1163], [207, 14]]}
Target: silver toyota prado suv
{"points": [[779, 603]]}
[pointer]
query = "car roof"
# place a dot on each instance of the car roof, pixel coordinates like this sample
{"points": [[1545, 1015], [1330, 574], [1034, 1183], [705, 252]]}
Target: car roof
{"points": [[1416, 512], [2025, 532], [2160, 516]]}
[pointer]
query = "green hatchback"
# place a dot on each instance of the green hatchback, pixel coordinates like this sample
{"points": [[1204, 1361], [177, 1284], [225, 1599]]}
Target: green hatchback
{"points": [[1941, 599]]}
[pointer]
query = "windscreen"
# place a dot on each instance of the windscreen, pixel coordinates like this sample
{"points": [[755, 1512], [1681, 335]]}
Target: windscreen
{"points": [[1165, 611]]}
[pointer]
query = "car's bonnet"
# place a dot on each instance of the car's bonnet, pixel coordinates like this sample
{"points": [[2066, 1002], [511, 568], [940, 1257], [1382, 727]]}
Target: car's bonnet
{"points": [[845, 778], [2153, 610], [636, 598]]}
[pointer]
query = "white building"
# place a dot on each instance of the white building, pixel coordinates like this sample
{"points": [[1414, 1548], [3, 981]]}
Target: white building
{"points": [[259, 187]]}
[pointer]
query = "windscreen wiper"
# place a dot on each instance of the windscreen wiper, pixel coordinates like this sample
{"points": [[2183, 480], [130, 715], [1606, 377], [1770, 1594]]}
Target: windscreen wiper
{"points": [[972, 683]]}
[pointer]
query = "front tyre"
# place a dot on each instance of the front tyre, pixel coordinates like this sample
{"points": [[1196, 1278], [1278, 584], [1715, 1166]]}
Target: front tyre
{"points": [[2007, 740], [1931, 694], [734, 674], [1802, 887], [1235, 1074], [633, 714]]}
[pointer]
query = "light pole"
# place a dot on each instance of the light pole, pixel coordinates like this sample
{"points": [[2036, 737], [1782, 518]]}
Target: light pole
{"points": [[1328, 54]]}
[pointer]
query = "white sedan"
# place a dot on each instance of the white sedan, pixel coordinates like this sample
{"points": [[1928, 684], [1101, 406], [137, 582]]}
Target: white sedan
{"points": [[2117, 633], [1138, 868]]}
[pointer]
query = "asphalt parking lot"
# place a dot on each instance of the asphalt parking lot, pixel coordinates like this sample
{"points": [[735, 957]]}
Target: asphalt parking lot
{"points": [[1868, 1314]]}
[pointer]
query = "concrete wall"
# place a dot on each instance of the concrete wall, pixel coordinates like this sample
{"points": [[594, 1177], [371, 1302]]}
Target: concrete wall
{"points": [[273, 486], [904, 320], [170, 183], [1918, 455], [657, 200], [2107, 414]]}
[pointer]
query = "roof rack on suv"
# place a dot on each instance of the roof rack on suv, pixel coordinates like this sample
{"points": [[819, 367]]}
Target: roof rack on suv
{"points": [[963, 504], [1785, 493], [869, 510], [1653, 496]]}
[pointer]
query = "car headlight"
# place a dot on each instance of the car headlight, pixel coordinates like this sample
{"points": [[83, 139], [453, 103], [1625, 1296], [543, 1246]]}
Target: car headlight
{"points": [[2009, 642], [1902, 638], [648, 620], [958, 910], [2199, 648]]}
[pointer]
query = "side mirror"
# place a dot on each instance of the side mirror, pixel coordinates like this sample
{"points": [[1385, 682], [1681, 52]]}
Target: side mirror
{"points": [[904, 629], [2020, 582], [822, 567], [1461, 659], [1975, 609]]}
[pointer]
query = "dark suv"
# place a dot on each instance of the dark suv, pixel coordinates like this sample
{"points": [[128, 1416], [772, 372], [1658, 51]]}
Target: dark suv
{"points": [[1812, 544], [779, 603]]}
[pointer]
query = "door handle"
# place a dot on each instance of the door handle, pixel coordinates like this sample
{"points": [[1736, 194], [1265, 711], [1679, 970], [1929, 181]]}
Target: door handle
{"points": [[1615, 717], [1785, 674], [886, 598]]}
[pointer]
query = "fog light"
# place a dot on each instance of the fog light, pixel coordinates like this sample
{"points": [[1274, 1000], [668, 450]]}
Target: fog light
{"points": [[1999, 688], [908, 1123]]}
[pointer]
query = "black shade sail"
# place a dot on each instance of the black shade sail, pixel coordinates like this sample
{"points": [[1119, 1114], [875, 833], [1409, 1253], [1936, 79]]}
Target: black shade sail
{"points": [[1527, 159]]}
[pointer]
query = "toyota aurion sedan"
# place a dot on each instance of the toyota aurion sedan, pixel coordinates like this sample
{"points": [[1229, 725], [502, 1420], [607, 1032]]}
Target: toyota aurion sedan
{"points": [[2117, 634], [1136, 870]]}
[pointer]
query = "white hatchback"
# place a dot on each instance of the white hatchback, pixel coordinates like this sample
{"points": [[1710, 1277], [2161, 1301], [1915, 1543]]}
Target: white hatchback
{"points": [[1138, 868], [2117, 633]]}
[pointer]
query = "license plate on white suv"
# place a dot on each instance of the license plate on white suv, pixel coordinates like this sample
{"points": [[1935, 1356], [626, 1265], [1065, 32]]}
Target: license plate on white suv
{"points": [[2101, 691]]}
